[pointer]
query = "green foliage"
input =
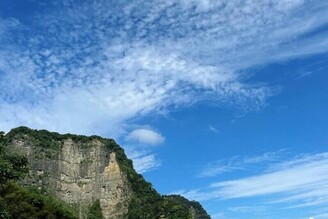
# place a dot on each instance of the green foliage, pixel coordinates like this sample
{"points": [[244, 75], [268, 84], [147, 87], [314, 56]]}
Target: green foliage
{"points": [[48, 144], [19, 202], [177, 203], [4, 214], [174, 209], [46, 139], [95, 211], [12, 167], [2, 137], [145, 203], [24, 203]]}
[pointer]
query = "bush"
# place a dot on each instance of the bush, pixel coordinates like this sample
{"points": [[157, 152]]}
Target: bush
{"points": [[24, 203], [95, 211]]}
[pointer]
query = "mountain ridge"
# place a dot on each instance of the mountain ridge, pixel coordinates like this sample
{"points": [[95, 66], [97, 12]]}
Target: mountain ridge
{"points": [[94, 172]]}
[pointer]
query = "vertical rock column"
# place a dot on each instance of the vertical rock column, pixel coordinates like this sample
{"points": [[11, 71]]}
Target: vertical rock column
{"points": [[115, 192]]}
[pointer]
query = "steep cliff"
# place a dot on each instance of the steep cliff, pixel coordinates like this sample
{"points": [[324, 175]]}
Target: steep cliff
{"points": [[87, 172]]}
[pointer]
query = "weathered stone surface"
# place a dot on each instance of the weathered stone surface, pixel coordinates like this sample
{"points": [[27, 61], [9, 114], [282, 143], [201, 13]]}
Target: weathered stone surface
{"points": [[79, 174], [94, 171]]}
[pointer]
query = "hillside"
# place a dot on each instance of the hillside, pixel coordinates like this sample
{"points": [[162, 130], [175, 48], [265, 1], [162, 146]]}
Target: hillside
{"points": [[74, 176]]}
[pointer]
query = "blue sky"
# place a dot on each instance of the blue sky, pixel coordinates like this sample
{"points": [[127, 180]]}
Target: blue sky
{"points": [[224, 102]]}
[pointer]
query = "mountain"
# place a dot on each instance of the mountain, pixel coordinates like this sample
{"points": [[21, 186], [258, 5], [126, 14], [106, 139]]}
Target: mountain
{"points": [[83, 177]]}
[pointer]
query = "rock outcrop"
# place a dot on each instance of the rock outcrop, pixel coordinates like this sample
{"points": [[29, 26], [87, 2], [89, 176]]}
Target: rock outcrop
{"points": [[79, 173], [82, 170]]}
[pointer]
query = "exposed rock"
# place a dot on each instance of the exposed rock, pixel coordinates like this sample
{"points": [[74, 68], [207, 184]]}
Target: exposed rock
{"points": [[83, 170], [81, 174]]}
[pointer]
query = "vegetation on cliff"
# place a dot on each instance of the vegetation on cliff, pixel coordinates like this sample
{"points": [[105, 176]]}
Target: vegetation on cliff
{"points": [[95, 211], [21, 202], [145, 203]]}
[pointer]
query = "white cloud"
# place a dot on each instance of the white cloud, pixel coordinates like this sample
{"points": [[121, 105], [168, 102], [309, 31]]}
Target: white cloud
{"points": [[137, 148], [218, 216], [140, 57], [266, 157], [6, 26], [298, 183], [321, 216], [308, 174], [145, 136], [145, 163], [236, 163], [214, 169], [143, 160], [246, 209], [213, 129]]}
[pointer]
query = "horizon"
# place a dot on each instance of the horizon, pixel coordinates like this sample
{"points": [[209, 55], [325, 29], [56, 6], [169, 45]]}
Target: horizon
{"points": [[223, 102]]}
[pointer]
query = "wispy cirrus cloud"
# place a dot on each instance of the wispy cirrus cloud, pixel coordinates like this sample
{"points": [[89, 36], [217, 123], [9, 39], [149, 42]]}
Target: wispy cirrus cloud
{"points": [[321, 216], [309, 175], [236, 163], [245, 209], [143, 160], [300, 182], [213, 129], [139, 145], [92, 66]]}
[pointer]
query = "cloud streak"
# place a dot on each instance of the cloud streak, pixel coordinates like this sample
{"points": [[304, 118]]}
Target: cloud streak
{"points": [[143, 160], [238, 163], [140, 144], [308, 175], [298, 183]]}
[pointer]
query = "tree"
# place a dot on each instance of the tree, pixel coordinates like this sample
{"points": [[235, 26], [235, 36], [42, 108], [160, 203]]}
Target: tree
{"points": [[13, 166]]}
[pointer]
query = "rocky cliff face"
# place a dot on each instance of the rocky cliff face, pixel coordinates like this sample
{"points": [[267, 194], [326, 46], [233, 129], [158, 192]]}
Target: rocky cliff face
{"points": [[82, 170], [78, 173]]}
